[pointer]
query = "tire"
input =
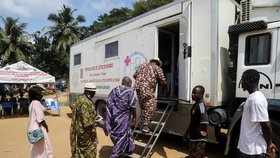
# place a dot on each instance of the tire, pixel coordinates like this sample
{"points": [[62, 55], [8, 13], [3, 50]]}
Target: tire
{"points": [[276, 135], [101, 110]]}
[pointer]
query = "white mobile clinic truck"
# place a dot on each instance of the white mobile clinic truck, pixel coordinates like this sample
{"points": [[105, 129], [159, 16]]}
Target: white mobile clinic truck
{"points": [[200, 42]]}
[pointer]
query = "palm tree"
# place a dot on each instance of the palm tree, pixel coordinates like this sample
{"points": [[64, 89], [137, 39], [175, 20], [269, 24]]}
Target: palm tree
{"points": [[65, 30], [14, 45]]}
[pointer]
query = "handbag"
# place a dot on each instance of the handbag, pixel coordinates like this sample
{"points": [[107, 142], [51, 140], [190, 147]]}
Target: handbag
{"points": [[34, 135]]}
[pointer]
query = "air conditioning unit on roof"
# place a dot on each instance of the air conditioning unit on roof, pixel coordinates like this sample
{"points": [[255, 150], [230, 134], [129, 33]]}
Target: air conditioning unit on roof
{"points": [[245, 11], [255, 10]]}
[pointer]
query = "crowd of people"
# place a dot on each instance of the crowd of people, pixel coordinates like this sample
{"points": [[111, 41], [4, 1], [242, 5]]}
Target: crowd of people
{"points": [[17, 104], [255, 135], [120, 112], [255, 132]]}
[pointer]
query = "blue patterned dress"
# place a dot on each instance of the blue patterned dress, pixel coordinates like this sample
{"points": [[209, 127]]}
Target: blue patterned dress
{"points": [[121, 102]]}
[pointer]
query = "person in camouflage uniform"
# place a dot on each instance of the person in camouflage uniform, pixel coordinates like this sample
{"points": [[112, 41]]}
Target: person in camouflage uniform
{"points": [[146, 78], [83, 137]]}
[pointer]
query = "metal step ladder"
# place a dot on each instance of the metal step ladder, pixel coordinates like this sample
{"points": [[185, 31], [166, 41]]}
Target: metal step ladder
{"points": [[151, 138]]}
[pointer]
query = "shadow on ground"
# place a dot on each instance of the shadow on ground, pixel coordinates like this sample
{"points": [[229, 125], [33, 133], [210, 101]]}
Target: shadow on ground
{"points": [[174, 142], [105, 151]]}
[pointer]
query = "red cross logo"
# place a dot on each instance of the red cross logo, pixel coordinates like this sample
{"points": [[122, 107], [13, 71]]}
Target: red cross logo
{"points": [[127, 60]]}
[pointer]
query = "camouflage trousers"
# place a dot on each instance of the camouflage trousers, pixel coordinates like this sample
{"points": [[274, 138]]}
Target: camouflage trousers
{"points": [[196, 149], [85, 154], [82, 150], [147, 103]]}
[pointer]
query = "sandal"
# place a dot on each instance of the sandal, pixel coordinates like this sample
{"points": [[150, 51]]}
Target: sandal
{"points": [[146, 130]]}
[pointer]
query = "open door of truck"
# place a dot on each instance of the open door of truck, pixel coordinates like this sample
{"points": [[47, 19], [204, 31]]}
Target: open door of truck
{"points": [[184, 58]]}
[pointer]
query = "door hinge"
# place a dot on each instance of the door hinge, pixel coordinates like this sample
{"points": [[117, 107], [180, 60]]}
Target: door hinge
{"points": [[187, 50]]}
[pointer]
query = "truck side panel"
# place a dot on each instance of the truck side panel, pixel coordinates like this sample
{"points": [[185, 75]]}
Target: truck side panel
{"points": [[134, 48]]}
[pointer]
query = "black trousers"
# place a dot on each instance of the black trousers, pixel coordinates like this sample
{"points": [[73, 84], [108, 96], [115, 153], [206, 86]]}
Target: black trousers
{"points": [[242, 155]]}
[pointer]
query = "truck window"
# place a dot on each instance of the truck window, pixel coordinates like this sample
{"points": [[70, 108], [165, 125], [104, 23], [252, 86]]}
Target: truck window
{"points": [[257, 50], [77, 59], [111, 49]]}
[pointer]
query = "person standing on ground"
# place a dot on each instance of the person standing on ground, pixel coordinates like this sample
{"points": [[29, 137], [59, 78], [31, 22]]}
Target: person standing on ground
{"points": [[23, 104], [197, 130], [255, 138], [42, 148], [83, 137], [14, 102], [146, 78], [121, 105]]}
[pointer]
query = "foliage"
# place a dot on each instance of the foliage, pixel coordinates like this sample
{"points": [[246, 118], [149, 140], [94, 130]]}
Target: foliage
{"points": [[14, 45], [55, 62], [115, 16], [65, 30], [41, 55], [60, 64], [144, 6], [63, 34]]}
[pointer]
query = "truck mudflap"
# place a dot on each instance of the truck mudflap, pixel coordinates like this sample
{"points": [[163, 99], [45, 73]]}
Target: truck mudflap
{"points": [[236, 117]]}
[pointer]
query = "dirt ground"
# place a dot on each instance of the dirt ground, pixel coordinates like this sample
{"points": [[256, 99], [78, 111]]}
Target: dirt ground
{"points": [[14, 143]]}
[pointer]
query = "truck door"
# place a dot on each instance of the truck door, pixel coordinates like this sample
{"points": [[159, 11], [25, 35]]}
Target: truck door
{"points": [[184, 55], [257, 50], [168, 53]]}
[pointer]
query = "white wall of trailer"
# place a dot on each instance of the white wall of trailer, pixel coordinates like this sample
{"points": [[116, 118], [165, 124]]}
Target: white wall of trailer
{"points": [[201, 45], [206, 59], [140, 35], [137, 46], [226, 18], [138, 38]]}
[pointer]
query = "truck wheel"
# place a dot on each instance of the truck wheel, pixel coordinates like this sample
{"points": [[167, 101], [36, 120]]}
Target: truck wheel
{"points": [[276, 135], [101, 110]]}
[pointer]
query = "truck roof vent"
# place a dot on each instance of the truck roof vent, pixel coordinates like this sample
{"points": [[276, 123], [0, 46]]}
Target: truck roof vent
{"points": [[245, 10], [245, 27]]}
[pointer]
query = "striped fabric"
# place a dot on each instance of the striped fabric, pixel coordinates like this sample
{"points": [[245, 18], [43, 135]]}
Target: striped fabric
{"points": [[121, 101]]}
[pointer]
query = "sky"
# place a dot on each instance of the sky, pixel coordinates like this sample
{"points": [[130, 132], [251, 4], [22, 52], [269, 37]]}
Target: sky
{"points": [[35, 12]]}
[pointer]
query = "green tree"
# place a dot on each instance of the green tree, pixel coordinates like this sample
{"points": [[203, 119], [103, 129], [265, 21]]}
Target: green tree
{"points": [[119, 15], [51, 61], [144, 6], [14, 45], [65, 30], [63, 34], [40, 55], [115, 16], [60, 64]]}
